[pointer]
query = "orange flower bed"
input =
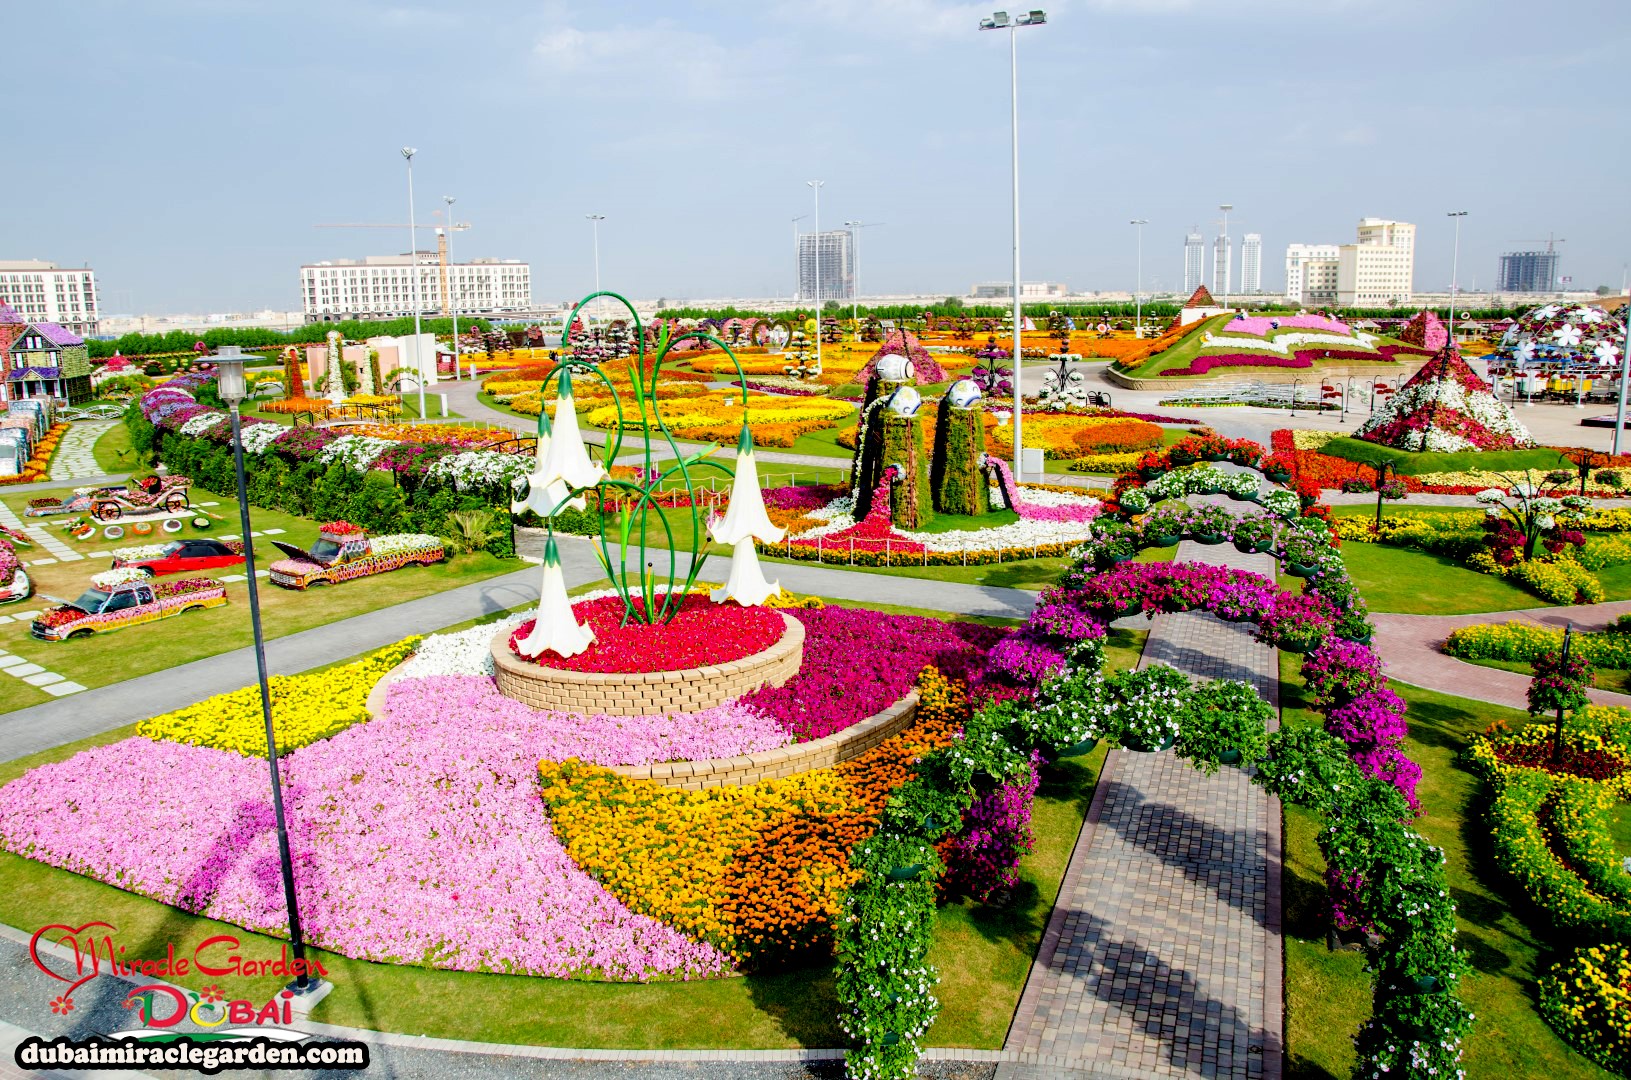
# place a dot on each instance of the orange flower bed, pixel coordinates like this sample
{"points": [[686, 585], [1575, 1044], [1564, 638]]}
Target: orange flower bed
{"points": [[757, 870], [296, 405], [39, 461]]}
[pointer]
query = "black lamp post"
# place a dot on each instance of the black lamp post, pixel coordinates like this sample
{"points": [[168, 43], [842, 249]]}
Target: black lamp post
{"points": [[229, 366]]}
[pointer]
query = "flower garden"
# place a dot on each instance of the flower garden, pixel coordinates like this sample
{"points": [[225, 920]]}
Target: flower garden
{"points": [[1229, 343]]}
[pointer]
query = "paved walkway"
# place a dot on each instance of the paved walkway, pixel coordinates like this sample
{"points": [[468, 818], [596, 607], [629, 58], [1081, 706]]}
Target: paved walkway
{"points": [[1163, 953], [74, 458], [1411, 647], [90, 712]]}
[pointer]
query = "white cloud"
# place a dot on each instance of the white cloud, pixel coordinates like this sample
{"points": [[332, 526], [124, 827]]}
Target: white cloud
{"points": [[658, 59]]}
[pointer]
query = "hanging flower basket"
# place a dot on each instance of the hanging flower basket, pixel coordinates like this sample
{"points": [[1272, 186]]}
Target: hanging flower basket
{"points": [[1081, 749], [1229, 757], [1166, 540], [1299, 643], [1208, 538], [908, 872], [1278, 476], [1301, 570], [1145, 745]]}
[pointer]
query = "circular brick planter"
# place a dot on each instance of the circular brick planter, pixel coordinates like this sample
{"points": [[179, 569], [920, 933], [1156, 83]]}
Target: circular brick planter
{"points": [[646, 693]]}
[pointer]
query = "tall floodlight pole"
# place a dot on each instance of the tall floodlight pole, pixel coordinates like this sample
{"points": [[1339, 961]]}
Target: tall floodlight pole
{"points": [[1625, 372], [1138, 288], [452, 304], [815, 236], [1000, 21], [1228, 253], [855, 261], [1455, 267], [594, 221], [798, 283], [413, 269]]}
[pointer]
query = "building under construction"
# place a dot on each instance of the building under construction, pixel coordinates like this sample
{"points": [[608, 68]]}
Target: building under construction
{"points": [[382, 287]]}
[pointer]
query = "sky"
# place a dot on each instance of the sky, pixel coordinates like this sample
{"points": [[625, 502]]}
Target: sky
{"points": [[186, 148]]}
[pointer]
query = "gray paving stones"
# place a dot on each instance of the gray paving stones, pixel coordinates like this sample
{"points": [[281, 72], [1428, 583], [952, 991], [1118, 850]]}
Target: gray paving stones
{"points": [[74, 458], [1162, 957]]}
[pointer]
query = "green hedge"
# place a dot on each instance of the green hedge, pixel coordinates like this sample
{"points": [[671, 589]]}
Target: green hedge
{"points": [[1411, 463]]}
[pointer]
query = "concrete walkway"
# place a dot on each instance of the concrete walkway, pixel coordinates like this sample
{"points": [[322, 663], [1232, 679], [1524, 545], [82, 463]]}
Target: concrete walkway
{"points": [[1411, 646], [91, 712], [74, 457], [1163, 953]]}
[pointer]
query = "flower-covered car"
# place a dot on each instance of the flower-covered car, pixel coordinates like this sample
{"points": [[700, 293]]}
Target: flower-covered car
{"points": [[125, 597], [180, 556], [144, 497], [343, 551]]}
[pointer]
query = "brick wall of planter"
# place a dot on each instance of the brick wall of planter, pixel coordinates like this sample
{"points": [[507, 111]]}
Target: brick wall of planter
{"points": [[646, 693], [853, 741]]}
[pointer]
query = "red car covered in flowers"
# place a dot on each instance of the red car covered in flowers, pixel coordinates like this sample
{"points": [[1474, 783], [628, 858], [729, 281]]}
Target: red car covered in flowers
{"points": [[186, 557]]}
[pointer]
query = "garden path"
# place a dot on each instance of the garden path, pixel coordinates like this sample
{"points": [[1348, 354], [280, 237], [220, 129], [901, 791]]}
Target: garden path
{"points": [[91, 712], [1409, 645], [1163, 953], [74, 458]]}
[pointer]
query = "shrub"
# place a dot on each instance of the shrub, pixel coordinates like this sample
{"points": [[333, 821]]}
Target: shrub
{"points": [[1587, 1000]]}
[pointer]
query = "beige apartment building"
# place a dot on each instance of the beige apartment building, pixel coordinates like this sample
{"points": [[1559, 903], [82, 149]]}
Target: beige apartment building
{"points": [[1379, 270]]}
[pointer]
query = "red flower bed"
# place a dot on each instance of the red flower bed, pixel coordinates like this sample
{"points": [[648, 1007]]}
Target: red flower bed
{"points": [[702, 634], [1593, 764], [341, 528], [1303, 358]]}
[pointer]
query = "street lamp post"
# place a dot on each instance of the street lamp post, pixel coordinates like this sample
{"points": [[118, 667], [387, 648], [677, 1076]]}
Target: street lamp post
{"points": [[1228, 254], [231, 385], [1000, 21], [1625, 372], [815, 245], [452, 304], [413, 269], [1138, 288], [594, 221], [1455, 268]]}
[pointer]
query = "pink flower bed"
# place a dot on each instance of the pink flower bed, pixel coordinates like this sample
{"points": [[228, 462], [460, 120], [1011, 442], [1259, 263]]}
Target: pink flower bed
{"points": [[420, 839], [1260, 325], [858, 663], [1303, 358]]}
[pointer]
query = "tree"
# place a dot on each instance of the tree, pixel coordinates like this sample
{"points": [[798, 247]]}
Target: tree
{"points": [[1604, 290]]}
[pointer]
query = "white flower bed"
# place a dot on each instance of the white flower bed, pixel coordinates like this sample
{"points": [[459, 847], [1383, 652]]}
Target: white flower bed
{"points": [[202, 423], [356, 452], [465, 652], [144, 551], [392, 543], [257, 438], [477, 468], [109, 579]]}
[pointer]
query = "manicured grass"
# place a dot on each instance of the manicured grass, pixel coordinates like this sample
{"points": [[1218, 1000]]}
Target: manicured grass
{"points": [[124, 654], [823, 442], [1416, 583], [1328, 993], [983, 953], [1615, 679], [113, 451], [1414, 464]]}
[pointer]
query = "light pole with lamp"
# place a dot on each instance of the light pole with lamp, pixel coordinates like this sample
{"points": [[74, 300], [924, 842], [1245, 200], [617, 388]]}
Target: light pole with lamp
{"points": [[1625, 372], [413, 269], [594, 221], [1228, 252], [452, 304], [1455, 267], [229, 368], [815, 251], [1000, 21], [1138, 289]]}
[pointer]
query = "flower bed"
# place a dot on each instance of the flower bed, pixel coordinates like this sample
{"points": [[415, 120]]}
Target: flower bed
{"points": [[1587, 1000], [1524, 642], [39, 459]]}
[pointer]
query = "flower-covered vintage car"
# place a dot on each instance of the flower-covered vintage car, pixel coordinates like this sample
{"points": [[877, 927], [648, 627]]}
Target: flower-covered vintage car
{"points": [[14, 583], [125, 597], [181, 556], [343, 551], [145, 497]]}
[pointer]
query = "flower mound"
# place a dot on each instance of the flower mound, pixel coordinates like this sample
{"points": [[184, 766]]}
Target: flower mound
{"points": [[1446, 407], [701, 635]]}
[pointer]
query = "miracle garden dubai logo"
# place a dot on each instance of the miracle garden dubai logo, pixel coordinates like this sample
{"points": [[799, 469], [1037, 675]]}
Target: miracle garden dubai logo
{"points": [[161, 1008]]}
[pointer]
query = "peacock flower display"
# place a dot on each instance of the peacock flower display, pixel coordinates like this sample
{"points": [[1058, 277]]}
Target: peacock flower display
{"points": [[563, 461], [745, 520], [555, 628]]}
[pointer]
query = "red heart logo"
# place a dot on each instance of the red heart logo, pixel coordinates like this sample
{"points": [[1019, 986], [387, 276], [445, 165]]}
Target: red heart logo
{"points": [[82, 953]]}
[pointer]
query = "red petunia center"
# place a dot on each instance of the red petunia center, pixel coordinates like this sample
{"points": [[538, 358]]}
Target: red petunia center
{"points": [[702, 634]]}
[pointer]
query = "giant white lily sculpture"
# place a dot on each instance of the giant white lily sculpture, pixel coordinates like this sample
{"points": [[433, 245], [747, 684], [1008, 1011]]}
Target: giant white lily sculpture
{"points": [[555, 629], [563, 462], [745, 520]]}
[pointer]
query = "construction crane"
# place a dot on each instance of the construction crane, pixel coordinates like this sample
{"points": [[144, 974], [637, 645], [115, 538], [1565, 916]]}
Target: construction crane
{"points": [[441, 249]]}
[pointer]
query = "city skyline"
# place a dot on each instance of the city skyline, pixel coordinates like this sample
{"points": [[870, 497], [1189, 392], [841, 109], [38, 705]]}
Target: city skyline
{"points": [[174, 239]]}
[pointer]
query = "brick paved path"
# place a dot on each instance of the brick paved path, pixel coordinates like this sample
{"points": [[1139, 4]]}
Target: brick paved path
{"points": [[1162, 957]]}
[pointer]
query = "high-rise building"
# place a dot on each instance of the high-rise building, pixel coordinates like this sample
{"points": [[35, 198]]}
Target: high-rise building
{"points": [[1222, 259], [1004, 290], [1528, 271], [1311, 274], [1251, 263], [837, 257], [1194, 261], [41, 292], [381, 287], [1379, 270]]}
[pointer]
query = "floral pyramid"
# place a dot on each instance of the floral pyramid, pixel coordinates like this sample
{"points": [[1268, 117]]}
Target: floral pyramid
{"points": [[1446, 407], [1426, 330], [905, 343]]}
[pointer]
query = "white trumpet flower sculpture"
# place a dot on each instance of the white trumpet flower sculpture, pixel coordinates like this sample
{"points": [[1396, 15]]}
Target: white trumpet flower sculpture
{"points": [[745, 520], [555, 628], [563, 461]]}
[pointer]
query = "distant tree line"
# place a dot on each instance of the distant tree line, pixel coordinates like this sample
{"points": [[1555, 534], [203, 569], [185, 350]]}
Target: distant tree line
{"points": [[258, 338], [954, 307]]}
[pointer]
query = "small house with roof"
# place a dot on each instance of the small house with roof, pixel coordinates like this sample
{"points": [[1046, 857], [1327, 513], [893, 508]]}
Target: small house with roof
{"points": [[1200, 305], [42, 360]]}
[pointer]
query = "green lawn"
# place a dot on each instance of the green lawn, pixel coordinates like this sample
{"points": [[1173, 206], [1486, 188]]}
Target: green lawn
{"points": [[1615, 679], [113, 451], [1328, 993], [983, 953], [1414, 464], [1416, 583], [124, 654]]}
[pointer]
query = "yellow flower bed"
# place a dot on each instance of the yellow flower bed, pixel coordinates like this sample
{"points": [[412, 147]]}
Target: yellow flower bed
{"points": [[1312, 440], [305, 708], [1587, 999], [758, 870], [1067, 437], [1106, 463], [776, 421], [592, 395]]}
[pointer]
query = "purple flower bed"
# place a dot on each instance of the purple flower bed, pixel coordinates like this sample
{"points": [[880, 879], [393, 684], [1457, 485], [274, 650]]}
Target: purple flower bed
{"points": [[1262, 325], [420, 839], [858, 663], [1344, 679], [803, 497], [984, 855], [1303, 358], [785, 391]]}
